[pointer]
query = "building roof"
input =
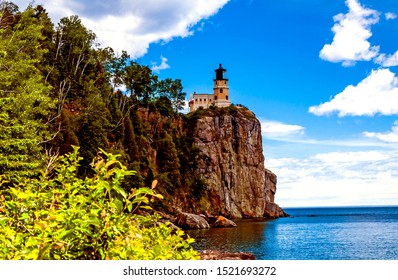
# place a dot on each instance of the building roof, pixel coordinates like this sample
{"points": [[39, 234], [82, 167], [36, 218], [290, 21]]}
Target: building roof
{"points": [[220, 71], [220, 68]]}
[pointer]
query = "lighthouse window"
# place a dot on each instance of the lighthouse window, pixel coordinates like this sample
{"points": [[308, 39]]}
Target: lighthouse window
{"points": [[220, 90], [226, 97], [215, 97]]}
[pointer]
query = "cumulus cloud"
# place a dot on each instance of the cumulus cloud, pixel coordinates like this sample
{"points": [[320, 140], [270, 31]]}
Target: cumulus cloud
{"points": [[279, 131], [387, 60], [56, 8], [351, 34], [389, 137], [337, 178], [350, 157], [134, 25], [185, 108], [390, 16], [376, 94], [162, 66]]}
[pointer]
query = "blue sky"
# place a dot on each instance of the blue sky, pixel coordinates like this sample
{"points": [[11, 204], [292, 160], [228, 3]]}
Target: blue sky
{"points": [[321, 76]]}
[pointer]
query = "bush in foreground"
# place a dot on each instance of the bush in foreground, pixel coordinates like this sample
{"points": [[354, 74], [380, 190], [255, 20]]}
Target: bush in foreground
{"points": [[64, 217]]}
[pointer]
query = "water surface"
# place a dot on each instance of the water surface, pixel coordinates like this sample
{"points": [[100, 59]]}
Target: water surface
{"points": [[338, 233]]}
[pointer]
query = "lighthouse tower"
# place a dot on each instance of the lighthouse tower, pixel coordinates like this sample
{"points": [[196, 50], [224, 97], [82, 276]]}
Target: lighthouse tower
{"points": [[221, 97]]}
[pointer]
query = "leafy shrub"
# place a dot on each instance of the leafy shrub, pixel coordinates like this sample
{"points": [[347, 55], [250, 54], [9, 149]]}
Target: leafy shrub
{"points": [[232, 110], [64, 217]]}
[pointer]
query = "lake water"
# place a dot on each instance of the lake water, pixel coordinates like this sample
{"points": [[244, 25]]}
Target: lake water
{"points": [[339, 233]]}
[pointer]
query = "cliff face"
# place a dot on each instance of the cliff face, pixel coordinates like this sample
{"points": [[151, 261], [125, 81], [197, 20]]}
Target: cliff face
{"points": [[212, 163], [232, 166]]}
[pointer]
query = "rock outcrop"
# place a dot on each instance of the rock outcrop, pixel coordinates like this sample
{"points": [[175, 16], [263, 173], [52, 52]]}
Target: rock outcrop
{"points": [[217, 255], [232, 166], [223, 222], [191, 221]]}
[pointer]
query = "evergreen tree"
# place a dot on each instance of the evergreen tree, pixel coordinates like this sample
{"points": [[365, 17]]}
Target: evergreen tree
{"points": [[92, 133], [9, 14], [129, 140], [168, 162], [117, 122], [24, 102], [66, 138]]}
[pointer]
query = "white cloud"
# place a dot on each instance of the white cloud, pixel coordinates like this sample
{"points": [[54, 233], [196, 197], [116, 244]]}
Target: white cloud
{"points": [[350, 157], [163, 65], [277, 130], [387, 60], [389, 137], [378, 93], [351, 34], [134, 25], [337, 178], [390, 16], [185, 109], [56, 8]]}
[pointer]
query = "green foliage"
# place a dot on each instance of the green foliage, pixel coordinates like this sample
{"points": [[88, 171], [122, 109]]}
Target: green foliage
{"points": [[65, 217], [140, 82], [200, 112], [117, 122], [232, 110], [168, 163], [8, 14], [66, 138], [130, 140], [173, 91], [93, 128], [59, 88], [73, 57], [114, 66], [164, 106], [24, 102], [220, 111]]}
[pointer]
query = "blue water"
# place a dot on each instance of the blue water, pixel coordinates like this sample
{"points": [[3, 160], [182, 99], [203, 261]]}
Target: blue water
{"points": [[349, 233]]}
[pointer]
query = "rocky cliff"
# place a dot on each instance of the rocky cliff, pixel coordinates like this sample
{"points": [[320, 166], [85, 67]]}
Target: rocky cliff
{"points": [[237, 184]]}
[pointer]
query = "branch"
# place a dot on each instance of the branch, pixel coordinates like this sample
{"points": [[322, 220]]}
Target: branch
{"points": [[53, 137], [123, 118], [51, 158], [62, 94]]}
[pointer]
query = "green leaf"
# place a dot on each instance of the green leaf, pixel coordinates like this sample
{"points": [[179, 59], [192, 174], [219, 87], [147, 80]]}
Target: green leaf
{"points": [[43, 251], [120, 191], [130, 207], [143, 191], [157, 249], [138, 200], [158, 196], [24, 216], [64, 234], [118, 204]]}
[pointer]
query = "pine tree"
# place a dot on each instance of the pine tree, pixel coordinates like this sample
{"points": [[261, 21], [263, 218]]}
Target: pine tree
{"points": [[24, 102], [92, 133], [129, 140], [168, 162]]}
